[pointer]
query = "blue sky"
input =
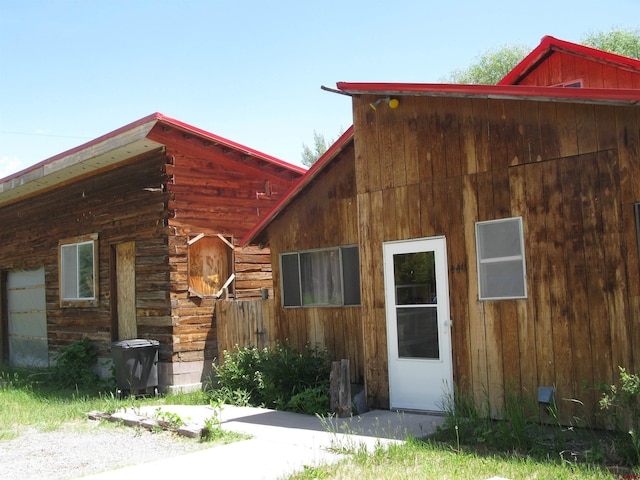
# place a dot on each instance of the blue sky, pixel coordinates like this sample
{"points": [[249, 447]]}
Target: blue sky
{"points": [[249, 71]]}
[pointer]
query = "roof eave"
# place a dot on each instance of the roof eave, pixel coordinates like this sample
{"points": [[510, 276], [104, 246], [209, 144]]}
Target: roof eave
{"points": [[623, 97], [98, 154]]}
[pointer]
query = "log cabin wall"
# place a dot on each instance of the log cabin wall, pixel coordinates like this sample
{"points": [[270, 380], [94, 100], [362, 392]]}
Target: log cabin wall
{"points": [[124, 204], [560, 67], [325, 216], [214, 191], [436, 166]]}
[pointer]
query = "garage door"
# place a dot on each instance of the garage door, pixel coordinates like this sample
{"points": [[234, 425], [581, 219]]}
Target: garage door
{"points": [[27, 318]]}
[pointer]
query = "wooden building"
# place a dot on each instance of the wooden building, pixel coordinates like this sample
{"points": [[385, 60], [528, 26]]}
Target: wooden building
{"points": [[496, 230], [134, 235]]}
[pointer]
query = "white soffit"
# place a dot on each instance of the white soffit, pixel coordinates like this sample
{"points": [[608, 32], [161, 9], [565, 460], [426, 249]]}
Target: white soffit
{"points": [[96, 156]]}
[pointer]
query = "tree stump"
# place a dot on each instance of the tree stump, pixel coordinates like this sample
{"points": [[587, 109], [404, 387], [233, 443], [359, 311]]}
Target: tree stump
{"points": [[340, 388]]}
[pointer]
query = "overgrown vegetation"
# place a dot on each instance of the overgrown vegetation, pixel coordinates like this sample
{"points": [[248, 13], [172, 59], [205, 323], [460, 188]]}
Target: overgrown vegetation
{"points": [[75, 366], [622, 404], [282, 378], [46, 398], [528, 429]]}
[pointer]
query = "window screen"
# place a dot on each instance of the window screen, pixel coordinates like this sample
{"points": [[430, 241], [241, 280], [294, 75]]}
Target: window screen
{"points": [[290, 280], [351, 275], [501, 267]]}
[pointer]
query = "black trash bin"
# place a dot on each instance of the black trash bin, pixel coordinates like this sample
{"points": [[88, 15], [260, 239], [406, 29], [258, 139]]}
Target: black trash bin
{"points": [[136, 366]]}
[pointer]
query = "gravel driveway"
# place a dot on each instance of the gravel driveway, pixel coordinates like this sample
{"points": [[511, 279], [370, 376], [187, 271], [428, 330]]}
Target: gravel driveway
{"points": [[84, 448]]}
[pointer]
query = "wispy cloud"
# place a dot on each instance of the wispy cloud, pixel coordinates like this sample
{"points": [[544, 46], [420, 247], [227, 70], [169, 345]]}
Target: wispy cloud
{"points": [[10, 165]]}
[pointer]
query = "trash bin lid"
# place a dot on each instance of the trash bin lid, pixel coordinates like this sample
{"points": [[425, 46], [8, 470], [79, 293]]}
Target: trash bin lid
{"points": [[136, 343]]}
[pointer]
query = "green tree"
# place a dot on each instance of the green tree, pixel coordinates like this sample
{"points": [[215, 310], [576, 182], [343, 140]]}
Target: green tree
{"points": [[620, 41], [490, 66], [311, 155]]}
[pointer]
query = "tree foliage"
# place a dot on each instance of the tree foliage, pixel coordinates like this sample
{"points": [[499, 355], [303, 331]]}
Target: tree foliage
{"points": [[620, 41], [491, 66], [311, 155]]}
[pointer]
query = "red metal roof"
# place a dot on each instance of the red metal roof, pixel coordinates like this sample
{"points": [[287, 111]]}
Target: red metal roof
{"points": [[550, 44], [331, 153], [162, 119], [589, 95]]}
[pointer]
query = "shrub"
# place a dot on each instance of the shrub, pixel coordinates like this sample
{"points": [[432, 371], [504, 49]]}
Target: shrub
{"points": [[74, 366], [281, 377], [623, 404]]}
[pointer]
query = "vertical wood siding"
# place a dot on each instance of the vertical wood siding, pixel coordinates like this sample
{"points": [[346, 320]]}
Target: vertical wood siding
{"points": [[571, 172], [324, 217]]}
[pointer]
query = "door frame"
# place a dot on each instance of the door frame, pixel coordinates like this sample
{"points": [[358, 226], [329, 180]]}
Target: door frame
{"points": [[438, 245]]}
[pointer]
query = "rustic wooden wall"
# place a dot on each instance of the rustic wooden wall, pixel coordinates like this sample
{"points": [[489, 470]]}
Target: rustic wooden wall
{"points": [[324, 217], [435, 166], [214, 190], [120, 205], [561, 67]]}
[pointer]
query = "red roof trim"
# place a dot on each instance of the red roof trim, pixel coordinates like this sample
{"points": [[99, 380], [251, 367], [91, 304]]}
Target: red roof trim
{"points": [[159, 117], [619, 95], [228, 143], [331, 153], [549, 44]]}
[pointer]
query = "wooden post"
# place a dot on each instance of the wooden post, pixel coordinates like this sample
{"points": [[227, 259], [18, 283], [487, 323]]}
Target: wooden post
{"points": [[340, 388]]}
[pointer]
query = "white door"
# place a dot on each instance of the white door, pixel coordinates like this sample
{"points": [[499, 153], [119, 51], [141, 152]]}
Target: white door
{"points": [[27, 318], [418, 324]]}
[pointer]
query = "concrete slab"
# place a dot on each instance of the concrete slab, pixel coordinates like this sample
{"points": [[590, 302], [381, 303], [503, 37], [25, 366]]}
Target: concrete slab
{"points": [[281, 442]]}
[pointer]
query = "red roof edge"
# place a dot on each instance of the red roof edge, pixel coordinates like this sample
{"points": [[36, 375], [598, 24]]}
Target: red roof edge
{"points": [[229, 143], [79, 148], [315, 169], [548, 44], [159, 117], [621, 95]]}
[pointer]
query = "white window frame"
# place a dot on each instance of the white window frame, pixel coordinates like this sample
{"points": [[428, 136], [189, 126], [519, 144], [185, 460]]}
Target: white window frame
{"points": [[483, 262], [577, 83], [297, 281], [67, 300]]}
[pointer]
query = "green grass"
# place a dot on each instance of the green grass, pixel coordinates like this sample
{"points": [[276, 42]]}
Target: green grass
{"points": [[418, 459], [28, 400]]}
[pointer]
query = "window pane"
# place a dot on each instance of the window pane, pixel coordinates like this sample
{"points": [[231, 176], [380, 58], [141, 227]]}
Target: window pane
{"points": [[85, 270], [321, 277], [351, 275], [502, 279], [69, 273], [290, 280], [499, 239], [415, 278], [418, 332]]}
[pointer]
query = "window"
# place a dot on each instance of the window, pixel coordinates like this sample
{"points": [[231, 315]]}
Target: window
{"points": [[77, 270], [570, 84], [501, 266], [326, 277]]}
